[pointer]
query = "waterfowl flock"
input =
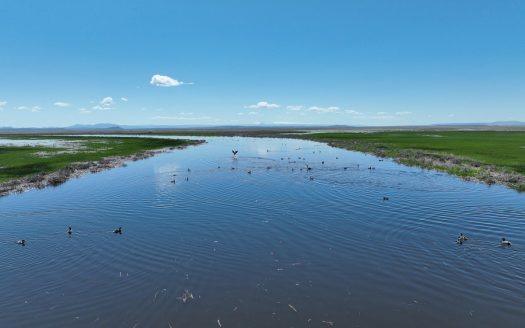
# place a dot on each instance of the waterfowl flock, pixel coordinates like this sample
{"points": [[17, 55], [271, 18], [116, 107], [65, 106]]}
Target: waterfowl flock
{"points": [[69, 232]]}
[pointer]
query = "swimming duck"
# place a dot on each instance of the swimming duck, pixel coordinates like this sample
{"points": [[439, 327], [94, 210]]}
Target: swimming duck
{"points": [[21, 242], [386, 198], [69, 231], [119, 230], [505, 242], [461, 239]]}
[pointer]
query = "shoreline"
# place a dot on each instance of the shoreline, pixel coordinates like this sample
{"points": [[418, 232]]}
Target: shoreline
{"points": [[460, 167], [75, 170]]}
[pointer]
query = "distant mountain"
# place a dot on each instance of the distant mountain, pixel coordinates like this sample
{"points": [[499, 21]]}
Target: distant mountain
{"points": [[98, 126], [508, 123], [113, 127], [498, 123]]}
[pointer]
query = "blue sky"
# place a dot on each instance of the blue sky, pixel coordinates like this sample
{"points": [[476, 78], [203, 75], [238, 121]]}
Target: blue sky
{"points": [[374, 62]]}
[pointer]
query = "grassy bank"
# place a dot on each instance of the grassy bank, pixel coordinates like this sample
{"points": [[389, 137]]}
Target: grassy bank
{"points": [[488, 156], [22, 161]]}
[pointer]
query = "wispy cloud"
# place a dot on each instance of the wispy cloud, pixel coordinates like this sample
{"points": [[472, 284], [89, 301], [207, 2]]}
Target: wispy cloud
{"points": [[262, 105], [84, 111], [105, 104], [165, 81], [249, 113], [321, 110], [354, 112], [181, 118], [124, 99], [2, 104], [295, 108], [403, 113], [35, 109], [61, 104]]}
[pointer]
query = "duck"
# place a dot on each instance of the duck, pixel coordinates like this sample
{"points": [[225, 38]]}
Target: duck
{"points": [[386, 198], [21, 242], [234, 152], [461, 239], [119, 230], [250, 172], [69, 231], [505, 242]]}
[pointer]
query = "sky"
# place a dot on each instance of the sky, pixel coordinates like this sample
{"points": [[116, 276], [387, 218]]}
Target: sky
{"points": [[240, 62]]}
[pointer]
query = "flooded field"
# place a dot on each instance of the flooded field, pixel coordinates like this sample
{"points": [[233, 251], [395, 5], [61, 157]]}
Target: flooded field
{"points": [[289, 233]]}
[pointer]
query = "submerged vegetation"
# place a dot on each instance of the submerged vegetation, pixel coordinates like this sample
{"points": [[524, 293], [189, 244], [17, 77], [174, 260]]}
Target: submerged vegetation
{"points": [[488, 156], [39, 165]]}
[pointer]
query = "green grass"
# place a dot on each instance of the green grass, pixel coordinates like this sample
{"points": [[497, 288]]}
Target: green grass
{"points": [[17, 162], [499, 148]]}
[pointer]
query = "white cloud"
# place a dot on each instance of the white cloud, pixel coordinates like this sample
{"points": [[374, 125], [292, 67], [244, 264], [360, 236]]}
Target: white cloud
{"points": [[403, 113], [353, 112], [2, 104], [262, 105], [35, 109], [105, 104], [165, 81], [295, 107], [181, 118], [61, 104], [290, 123], [21, 108], [331, 109], [84, 111], [124, 99]]}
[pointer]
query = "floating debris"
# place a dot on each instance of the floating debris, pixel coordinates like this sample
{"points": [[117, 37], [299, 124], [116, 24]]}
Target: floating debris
{"points": [[292, 307], [219, 323], [329, 323]]}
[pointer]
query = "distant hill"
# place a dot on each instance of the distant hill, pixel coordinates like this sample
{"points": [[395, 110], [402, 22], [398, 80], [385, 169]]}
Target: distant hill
{"points": [[98, 126], [117, 127]]}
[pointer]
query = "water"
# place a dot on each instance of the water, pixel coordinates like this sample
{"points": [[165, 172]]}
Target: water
{"points": [[270, 249], [38, 142]]}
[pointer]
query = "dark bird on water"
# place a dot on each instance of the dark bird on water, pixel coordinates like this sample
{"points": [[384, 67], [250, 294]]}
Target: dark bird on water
{"points": [[308, 168], [505, 242], [461, 239], [21, 242], [386, 198], [69, 231], [119, 230], [234, 152]]}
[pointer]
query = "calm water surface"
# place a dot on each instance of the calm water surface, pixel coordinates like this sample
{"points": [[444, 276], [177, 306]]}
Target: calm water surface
{"points": [[268, 249]]}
